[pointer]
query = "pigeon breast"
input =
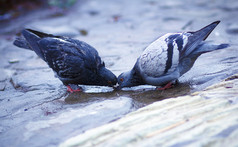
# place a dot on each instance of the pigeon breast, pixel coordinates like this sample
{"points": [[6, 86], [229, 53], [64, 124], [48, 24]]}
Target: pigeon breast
{"points": [[162, 56]]}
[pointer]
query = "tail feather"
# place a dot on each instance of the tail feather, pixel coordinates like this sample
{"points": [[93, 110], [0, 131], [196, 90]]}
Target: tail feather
{"points": [[222, 46], [40, 34], [206, 31], [197, 37], [207, 47], [22, 43], [187, 63], [32, 39]]}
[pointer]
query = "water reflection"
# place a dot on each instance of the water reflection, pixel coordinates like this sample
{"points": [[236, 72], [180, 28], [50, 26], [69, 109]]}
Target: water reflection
{"points": [[140, 95]]}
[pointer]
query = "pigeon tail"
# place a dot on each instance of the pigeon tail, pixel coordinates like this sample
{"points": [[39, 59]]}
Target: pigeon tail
{"points": [[207, 47], [197, 37], [222, 46], [206, 31], [22, 43], [32, 39]]}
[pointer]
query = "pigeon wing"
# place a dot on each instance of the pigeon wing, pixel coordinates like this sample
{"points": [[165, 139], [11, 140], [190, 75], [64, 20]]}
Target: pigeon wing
{"points": [[67, 59]]}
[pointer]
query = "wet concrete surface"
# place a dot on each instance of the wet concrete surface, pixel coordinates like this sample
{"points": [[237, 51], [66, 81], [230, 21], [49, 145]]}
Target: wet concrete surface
{"points": [[204, 118], [35, 109]]}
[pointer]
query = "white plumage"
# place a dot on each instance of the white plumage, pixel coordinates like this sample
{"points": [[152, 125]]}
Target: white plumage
{"points": [[153, 60], [169, 57]]}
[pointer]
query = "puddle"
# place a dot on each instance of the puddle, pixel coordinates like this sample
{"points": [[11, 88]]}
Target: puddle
{"points": [[36, 104]]}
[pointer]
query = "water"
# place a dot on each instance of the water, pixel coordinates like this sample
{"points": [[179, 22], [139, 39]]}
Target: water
{"points": [[35, 109]]}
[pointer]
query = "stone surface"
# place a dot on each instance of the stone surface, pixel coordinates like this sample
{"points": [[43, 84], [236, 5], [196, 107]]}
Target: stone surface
{"points": [[207, 118], [119, 30], [81, 118], [2, 86], [233, 29]]}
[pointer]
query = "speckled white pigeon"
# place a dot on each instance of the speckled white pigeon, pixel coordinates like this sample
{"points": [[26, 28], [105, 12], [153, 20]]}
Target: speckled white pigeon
{"points": [[169, 57]]}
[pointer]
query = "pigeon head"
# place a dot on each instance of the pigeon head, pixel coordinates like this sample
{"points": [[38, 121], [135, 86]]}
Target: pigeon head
{"points": [[125, 80], [107, 78], [129, 79]]}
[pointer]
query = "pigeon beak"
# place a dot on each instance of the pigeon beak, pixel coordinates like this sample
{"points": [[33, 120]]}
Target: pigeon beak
{"points": [[117, 87]]}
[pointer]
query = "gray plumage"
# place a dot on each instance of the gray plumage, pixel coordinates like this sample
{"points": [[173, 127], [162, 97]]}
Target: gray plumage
{"points": [[169, 57], [73, 61]]}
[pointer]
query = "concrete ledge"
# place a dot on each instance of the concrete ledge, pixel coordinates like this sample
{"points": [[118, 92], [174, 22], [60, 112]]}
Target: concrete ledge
{"points": [[205, 118]]}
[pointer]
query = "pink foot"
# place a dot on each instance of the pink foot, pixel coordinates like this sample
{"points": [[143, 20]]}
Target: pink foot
{"points": [[167, 86], [69, 89]]}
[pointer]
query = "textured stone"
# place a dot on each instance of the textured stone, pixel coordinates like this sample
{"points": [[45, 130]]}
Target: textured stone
{"points": [[3, 75], [2, 86], [201, 119], [233, 29], [120, 36]]}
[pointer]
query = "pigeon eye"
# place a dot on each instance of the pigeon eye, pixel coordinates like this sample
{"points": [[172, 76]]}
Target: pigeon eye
{"points": [[121, 79]]}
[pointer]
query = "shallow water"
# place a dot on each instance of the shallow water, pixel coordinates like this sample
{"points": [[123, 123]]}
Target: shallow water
{"points": [[35, 109]]}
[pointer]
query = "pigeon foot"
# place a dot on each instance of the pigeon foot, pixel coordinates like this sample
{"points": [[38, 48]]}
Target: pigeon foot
{"points": [[71, 90], [167, 86]]}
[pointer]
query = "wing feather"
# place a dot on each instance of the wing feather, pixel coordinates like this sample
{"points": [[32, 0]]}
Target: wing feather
{"points": [[68, 59]]}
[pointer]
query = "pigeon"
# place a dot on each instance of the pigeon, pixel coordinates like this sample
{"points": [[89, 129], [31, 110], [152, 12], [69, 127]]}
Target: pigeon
{"points": [[74, 62], [168, 58]]}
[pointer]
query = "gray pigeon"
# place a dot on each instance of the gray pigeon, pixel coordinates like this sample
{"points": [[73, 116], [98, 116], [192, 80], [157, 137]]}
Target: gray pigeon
{"points": [[74, 62], [169, 57]]}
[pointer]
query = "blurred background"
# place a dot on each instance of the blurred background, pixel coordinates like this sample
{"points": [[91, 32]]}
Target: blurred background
{"points": [[13, 8]]}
